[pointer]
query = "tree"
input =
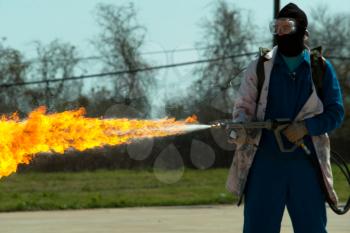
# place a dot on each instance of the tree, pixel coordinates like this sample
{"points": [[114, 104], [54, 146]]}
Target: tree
{"points": [[55, 60], [13, 69], [332, 32], [119, 45], [223, 36]]}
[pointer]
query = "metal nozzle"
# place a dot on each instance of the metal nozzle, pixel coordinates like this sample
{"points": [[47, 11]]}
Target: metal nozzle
{"points": [[217, 125]]}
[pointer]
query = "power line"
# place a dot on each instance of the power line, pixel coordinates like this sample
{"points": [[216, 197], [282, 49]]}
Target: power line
{"points": [[168, 51], [6, 85], [95, 57], [151, 53]]}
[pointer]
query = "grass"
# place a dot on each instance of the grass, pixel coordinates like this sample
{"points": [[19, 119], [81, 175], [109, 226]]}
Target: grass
{"points": [[120, 188]]}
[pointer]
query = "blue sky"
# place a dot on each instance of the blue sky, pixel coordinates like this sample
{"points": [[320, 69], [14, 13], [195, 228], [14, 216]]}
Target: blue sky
{"points": [[170, 23]]}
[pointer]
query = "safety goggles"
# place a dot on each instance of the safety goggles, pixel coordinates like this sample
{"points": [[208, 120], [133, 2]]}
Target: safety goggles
{"points": [[283, 26]]}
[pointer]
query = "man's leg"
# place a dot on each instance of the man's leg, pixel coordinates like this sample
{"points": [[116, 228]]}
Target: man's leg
{"points": [[264, 197], [305, 199]]}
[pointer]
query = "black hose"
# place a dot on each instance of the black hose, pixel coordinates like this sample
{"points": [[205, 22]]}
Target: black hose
{"points": [[342, 169], [338, 156], [341, 163]]}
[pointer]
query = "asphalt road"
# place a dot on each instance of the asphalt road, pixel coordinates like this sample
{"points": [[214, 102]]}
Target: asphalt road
{"points": [[194, 219]]}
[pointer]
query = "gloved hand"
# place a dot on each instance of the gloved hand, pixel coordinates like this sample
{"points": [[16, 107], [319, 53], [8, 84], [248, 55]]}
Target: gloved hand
{"points": [[296, 131], [237, 136]]}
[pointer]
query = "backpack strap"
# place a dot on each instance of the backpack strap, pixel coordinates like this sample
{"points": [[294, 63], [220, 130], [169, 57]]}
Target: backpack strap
{"points": [[260, 70], [318, 69]]}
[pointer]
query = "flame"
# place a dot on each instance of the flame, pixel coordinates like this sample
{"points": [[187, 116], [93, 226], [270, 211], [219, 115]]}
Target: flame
{"points": [[192, 119], [20, 140]]}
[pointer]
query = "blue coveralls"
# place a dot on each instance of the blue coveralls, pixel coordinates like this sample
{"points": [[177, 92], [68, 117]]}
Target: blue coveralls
{"points": [[278, 179]]}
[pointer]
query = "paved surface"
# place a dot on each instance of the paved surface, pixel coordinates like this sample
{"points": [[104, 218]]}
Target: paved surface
{"points": [[203, 219]]}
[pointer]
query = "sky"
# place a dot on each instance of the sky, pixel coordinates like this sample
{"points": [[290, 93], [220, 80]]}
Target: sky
{"points": [[171, 24]]}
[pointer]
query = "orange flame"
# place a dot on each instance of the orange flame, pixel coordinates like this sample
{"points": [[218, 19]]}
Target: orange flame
{"points": [[192, 119], [20, 141]]}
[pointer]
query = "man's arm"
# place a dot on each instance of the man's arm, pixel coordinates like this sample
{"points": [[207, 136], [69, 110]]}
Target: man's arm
{"points": [[333, 113], [245, 103]]}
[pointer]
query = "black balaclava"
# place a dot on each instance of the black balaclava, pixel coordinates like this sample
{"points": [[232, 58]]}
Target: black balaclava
{"points": [[292, 44]]}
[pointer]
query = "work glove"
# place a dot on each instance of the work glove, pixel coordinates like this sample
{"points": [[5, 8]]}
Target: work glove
{"points": [[237, 136], [295, 131]]}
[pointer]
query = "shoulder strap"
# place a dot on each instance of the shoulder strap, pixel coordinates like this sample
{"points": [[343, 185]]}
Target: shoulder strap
{"points": [[318, 69], [260, 70]]}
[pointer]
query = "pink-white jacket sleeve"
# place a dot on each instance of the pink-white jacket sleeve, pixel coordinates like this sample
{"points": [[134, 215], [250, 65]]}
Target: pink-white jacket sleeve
{"points": [[245, 102]]}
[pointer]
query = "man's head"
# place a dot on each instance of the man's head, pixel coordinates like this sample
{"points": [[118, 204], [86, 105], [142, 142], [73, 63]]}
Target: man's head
{"points": [[290, 28]]}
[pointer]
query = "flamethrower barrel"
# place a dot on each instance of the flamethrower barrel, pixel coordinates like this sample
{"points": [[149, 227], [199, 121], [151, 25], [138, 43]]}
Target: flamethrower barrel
{"points": [[247, 125], [277, 126]]}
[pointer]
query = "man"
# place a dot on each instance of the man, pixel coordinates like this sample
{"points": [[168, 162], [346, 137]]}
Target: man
{"points": [[269, 179]]}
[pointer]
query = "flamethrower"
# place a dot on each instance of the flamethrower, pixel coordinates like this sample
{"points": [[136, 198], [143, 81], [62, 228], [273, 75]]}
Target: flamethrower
{"points": [[277, 126]]}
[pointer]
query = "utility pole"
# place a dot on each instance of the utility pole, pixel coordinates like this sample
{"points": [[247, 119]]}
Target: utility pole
{"points": [[275, 13]]}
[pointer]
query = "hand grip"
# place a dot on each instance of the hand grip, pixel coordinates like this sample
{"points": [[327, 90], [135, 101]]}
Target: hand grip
{"points": [[277, 131], [278, 137]]}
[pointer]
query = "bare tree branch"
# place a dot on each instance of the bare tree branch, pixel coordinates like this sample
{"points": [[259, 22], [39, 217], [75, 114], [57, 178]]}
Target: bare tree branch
{"points": [[119, 45]]}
